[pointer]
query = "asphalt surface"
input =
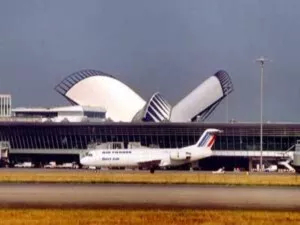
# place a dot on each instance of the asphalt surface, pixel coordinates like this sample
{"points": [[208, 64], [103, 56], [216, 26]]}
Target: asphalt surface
{"points": [[129, 171], [147, 196]]}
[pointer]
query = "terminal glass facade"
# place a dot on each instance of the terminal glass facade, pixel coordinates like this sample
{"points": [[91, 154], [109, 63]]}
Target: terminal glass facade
{"points": [[277, 137]]}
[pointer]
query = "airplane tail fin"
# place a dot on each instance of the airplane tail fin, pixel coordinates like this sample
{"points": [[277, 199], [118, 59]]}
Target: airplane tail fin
{"points": [[208, 138]]}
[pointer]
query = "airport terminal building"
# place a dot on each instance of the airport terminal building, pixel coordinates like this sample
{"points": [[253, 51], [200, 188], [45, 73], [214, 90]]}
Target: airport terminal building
{"points": [[64, 141], [106, 113]]}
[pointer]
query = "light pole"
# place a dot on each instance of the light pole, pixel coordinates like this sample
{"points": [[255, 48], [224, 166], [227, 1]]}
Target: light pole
{"points": [[262, 61], [227, 117]]}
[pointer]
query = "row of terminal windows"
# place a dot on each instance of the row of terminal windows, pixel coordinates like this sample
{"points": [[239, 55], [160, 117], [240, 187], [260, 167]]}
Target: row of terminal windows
{"points": [[116, 152], [94, 114], [60, 139]]}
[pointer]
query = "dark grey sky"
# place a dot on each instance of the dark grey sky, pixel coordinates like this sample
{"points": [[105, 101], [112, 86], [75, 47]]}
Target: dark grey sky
{"points": [[159, 45]]}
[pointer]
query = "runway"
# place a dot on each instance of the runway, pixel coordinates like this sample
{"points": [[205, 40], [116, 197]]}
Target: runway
{"points": [[129, 171], [148, 196]]}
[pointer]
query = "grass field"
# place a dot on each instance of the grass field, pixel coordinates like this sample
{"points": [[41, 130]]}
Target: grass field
{"points": [[144, 177], [115, 217]]}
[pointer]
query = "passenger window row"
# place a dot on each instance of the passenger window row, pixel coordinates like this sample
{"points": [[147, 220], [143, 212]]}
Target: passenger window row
{"points": [[117, 152]]}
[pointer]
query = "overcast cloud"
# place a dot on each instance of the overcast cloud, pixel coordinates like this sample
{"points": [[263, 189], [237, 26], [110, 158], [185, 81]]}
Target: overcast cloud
{"points": [[159, 45]]}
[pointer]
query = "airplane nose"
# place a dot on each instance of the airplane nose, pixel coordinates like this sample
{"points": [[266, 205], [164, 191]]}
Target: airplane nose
{"points": [[83, 161]]}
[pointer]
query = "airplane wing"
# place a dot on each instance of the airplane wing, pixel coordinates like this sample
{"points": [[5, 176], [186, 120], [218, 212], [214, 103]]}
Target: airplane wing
{"points": [[149, 164]]}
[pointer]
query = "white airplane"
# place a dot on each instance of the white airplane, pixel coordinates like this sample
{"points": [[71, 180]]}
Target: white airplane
{"points": [[152, 158]]}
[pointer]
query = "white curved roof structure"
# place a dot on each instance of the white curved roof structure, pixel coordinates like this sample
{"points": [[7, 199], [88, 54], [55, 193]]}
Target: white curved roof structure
{"points": [[203, 99], [157, 109], [95, 88]]}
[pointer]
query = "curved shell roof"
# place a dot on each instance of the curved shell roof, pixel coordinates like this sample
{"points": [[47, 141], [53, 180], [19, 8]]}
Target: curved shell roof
{"points": [[95, 88], [157, 109], [203, 99]]}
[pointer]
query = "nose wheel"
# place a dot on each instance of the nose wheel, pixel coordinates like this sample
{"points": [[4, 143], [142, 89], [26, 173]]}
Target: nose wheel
{"points": [[152, 170]]}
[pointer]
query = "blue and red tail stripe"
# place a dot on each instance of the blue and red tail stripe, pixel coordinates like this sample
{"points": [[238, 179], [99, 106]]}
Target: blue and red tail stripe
{"points": [[207, 141], [212, 141]]}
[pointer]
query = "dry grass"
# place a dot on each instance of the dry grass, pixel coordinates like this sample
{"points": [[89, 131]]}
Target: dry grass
{"points": [[144, 177], [115, 217]]}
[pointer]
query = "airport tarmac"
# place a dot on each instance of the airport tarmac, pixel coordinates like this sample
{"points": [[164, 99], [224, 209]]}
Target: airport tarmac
{"points": [[148, 196], [130, 171]]}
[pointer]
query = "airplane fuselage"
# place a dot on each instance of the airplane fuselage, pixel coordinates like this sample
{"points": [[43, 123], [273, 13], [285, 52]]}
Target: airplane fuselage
{"points": [[152, 158], [133, 157]]}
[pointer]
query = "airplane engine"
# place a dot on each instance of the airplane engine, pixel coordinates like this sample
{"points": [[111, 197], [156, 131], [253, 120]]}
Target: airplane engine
{"points": [[180, 155]]}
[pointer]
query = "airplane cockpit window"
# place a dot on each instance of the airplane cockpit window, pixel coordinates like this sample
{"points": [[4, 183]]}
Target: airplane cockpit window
{"points": [[89, 154]]}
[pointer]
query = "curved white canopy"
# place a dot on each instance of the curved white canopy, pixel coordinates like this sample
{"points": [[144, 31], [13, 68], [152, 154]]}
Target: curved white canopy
{"points": [[97, 89]]}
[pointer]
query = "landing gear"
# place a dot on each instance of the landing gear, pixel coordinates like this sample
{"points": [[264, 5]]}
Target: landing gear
{"points": [[152, 170]]}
